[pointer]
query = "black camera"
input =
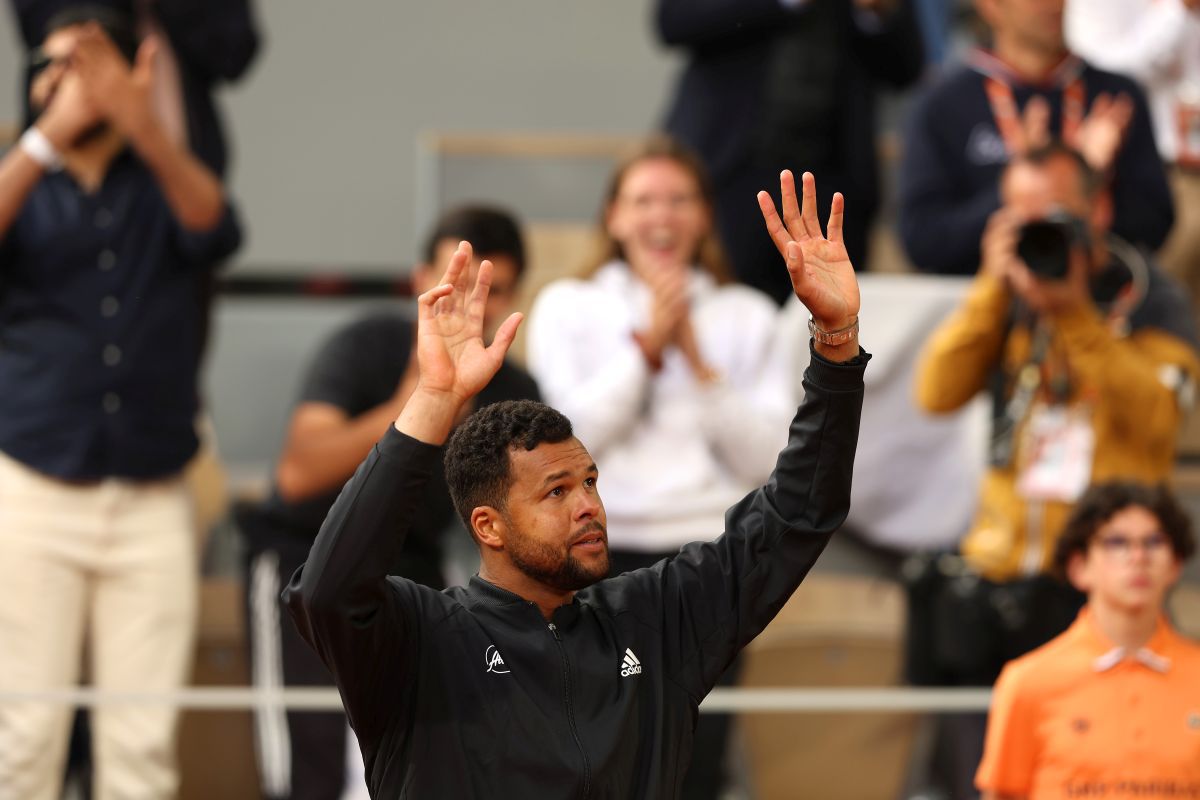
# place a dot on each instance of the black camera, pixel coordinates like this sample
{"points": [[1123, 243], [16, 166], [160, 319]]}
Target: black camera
{"points": [[1045, 244]]}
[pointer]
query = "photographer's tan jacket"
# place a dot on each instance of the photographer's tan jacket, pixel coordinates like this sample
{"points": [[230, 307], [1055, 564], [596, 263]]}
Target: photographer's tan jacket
{"points": [[1134, 387]]}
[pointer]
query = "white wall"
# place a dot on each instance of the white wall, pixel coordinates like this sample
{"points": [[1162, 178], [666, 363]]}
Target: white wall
{"points": [[325, 126]]}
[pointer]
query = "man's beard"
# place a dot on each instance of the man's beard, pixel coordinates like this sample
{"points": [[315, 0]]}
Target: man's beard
{"points": [[548, 564]]}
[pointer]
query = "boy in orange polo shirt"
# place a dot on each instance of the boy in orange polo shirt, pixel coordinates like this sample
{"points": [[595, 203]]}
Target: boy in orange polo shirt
{"points": [[1111, 708]]}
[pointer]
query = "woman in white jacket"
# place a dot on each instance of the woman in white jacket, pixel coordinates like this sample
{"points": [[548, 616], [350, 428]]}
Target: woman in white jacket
{"points": [[665, 369], [669, 376]]}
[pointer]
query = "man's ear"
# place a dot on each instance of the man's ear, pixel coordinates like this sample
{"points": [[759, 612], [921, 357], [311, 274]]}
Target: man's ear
{"points": [[488, 528]]}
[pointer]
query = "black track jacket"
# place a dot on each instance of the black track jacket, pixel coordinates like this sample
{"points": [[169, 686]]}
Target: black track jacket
{"points": [[471, 693]]}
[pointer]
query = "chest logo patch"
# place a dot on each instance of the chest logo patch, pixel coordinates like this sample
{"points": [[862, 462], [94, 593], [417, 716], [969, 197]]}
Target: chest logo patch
{"points": [[1193, 721], [494, 662], [630, 664], [985, 147]]}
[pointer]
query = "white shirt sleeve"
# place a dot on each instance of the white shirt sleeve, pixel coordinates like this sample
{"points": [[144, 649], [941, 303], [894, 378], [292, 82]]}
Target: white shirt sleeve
{"points": [[1139, 38]]}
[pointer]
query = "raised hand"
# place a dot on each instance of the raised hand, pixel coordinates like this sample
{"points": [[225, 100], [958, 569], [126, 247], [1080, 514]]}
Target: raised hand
{"points": [[453, 363], [1034, 130], [121, 94], [451, 355], [999, 244], [1103, 129], [70, 113], [822, 275]]}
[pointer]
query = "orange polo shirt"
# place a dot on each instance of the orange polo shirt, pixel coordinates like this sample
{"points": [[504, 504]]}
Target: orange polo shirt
{"points": [[1080, 718]]}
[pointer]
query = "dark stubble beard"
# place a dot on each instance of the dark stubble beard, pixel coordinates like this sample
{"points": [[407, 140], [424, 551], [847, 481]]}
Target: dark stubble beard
{"points": [[550, 565]]}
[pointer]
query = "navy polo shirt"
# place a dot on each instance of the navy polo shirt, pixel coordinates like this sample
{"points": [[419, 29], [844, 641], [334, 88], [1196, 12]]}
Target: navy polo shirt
{"points": [[100, 321]]}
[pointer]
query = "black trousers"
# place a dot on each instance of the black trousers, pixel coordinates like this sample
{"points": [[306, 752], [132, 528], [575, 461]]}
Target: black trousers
{"points": [[706, 776], [301, 754]]}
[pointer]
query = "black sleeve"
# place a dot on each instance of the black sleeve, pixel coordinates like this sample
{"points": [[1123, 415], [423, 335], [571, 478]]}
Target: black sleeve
{"points": [[894, 53], [715, 597], [216, 39], [207, 249], [695, 23], [1143, 211], [362, 624], [8, 253], [343, 373], [940, 224]]}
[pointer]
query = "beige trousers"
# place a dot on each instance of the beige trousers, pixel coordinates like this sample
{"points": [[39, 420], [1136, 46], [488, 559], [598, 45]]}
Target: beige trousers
{"points": [[115, 562]]}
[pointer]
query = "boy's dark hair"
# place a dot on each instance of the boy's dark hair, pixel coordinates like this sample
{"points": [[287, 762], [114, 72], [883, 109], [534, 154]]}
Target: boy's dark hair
{"points": [[1090, 181], [478, 469], [113, 21], [1103, 501], [490, 230]]}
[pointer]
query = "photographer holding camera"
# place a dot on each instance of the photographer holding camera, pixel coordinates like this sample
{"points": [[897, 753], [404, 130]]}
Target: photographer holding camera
{"points": [[1089, 352]]}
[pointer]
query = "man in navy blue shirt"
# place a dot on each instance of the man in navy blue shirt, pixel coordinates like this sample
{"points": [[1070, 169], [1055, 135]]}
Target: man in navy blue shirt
{"points": [[107, 228], [966, 128]]}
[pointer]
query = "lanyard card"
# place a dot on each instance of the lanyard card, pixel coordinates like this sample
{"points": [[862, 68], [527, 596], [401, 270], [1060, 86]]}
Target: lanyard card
{"points": [[1057, 447]]}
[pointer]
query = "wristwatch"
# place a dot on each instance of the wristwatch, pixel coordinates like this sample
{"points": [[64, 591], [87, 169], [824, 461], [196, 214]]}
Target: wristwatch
{"points": [[833, 338]]}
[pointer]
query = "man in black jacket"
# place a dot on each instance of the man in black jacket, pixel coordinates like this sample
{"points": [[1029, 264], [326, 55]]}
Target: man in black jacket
{"points": [[775, 82], [539, 678]]}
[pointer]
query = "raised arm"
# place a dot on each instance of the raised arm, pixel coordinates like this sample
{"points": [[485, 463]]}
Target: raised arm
{"points": [[122, 96], [720, 595], [19, 173], [822, 275], [68, 116], [341, 599]]}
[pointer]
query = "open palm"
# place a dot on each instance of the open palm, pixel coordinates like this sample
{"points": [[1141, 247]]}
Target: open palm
{"points": [[450, 348], [822, 275]]}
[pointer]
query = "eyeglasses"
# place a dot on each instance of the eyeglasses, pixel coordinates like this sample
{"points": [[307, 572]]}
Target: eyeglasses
{"points": [[1118, 545]]}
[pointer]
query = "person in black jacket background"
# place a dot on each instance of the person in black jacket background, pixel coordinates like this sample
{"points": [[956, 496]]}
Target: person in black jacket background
{"points": [[775, 82], [1022, 90], [211, 41], [541, 677]]}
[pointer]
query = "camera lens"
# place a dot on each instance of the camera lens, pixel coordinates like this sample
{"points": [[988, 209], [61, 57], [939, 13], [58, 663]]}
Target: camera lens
{"points": [[1045, 246]]}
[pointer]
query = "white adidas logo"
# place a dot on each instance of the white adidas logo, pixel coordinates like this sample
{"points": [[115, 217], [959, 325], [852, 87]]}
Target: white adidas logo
{"points": [[630, 665]]}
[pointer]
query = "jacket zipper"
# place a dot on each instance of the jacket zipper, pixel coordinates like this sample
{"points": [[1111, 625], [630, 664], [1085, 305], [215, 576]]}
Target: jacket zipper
{"points": [[587, 769]]}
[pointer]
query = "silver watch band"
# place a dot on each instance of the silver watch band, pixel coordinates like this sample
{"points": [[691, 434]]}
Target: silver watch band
{"points": [[833, 338]]}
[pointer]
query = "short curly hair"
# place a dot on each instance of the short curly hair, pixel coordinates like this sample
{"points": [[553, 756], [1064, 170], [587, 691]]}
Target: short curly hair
{"points": [[478, 468], [1104, 500]]}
